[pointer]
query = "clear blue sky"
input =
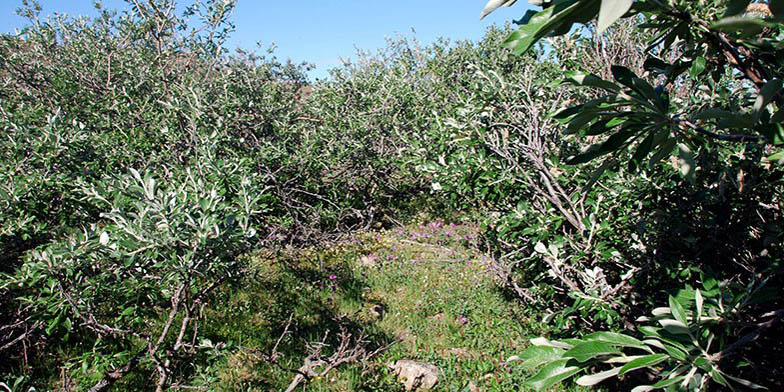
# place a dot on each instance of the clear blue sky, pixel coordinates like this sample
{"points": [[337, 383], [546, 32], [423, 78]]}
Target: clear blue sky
{"points": [[323, 31]]}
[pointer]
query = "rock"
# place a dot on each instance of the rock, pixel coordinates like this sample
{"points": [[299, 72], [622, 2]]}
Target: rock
{"points": [[416, 376]]}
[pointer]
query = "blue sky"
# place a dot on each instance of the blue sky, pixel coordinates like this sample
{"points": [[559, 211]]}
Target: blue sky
{"points": [[323, 31]]}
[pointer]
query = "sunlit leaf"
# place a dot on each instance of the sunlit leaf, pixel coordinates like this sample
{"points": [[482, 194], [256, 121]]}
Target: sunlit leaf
{"points": [[646, 361], [610, 11], [593, 379], [552, 374]]}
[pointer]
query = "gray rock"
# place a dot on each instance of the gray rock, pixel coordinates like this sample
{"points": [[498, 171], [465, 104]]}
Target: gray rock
{"points": [[416, 376]]}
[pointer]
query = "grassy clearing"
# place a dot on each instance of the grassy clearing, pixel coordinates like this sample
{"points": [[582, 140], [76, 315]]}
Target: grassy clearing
{"points": [[424, 284]]}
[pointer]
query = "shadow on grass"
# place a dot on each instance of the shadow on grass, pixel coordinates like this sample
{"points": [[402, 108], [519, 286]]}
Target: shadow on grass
{"points": [[284, 305]]}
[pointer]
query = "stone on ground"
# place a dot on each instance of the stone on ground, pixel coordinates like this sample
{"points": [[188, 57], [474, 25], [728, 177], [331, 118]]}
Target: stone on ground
{"points": [[416, 376]]}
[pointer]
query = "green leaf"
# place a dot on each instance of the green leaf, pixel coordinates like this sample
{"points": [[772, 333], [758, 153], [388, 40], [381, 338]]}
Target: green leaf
{"points": [[557, 18], [668, 381], [697, 66], [585, 351], [745, 383], [612, 143], [616, 339], [552, 374], [646, 361], [535, 356], [698, 301], [593, 379], [674, 327], [610, 11], [664, 150], [726, 119], [746, 26], [677, 310], [565, 114], [589, 80], [642, 150], [605, 125], [766, 94], [777, 157]]}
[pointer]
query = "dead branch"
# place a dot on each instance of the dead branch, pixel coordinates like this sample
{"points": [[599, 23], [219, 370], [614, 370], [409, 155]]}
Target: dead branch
{"points": [[349, 350]]}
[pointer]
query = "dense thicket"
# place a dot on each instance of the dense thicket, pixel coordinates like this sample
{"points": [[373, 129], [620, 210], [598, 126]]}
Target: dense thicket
{"points": [[141, 163]]}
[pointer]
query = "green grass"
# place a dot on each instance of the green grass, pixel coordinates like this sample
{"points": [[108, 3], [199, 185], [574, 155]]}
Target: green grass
{"points": [[439, 299]]}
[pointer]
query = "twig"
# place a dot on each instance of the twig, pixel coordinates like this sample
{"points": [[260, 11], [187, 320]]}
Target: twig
{"points": [[729, 138]]}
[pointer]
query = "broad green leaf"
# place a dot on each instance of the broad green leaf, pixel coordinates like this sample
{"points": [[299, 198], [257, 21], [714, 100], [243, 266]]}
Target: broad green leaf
{"points": [[626, 77], [674, 327], [581, 119], [136, 174], [552, 374], [698, 301], [610, 11], [677, 310], [664, 150], [746, 383], [746, 26], [668, 381], [556, 18], [565, 114], [642, 151], [585, 351], [646, 361], [535, 356], [661, 311], [718, 377], [697, 66], [615, 339], [589, 80], [622, 359], [540, 341], [643, 388], [593, 379], [766, 94], [612, 143], [606, 124], [777, 157]]}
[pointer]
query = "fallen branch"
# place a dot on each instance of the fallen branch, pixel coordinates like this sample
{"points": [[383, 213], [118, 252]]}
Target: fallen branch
{"points": [[348, 351]]}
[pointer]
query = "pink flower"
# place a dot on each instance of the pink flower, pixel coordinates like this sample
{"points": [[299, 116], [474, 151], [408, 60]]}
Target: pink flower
{"points": [[463, 319], [333, 277]]}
